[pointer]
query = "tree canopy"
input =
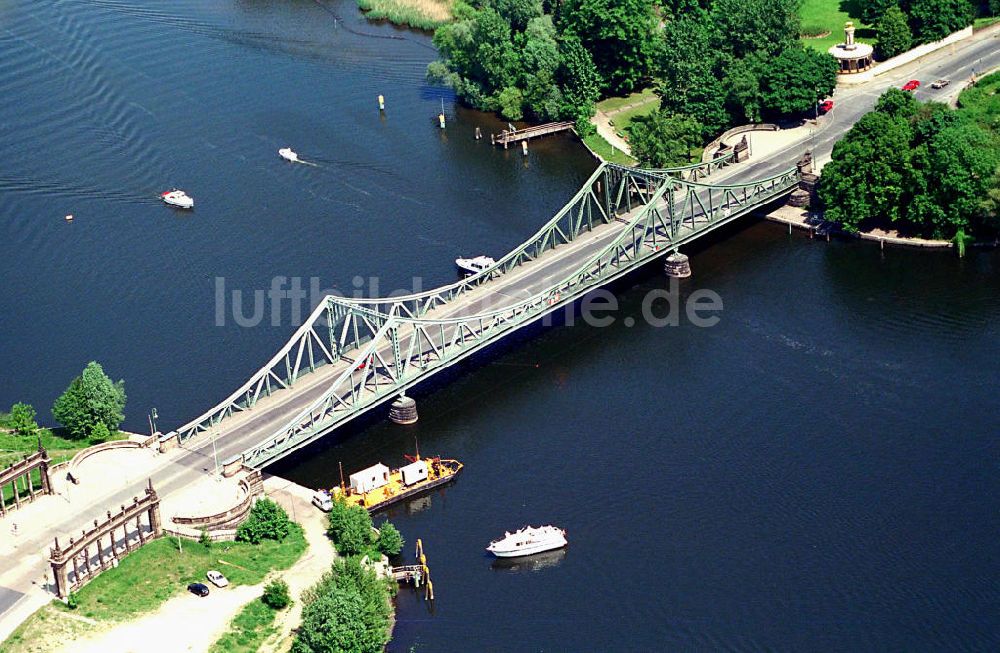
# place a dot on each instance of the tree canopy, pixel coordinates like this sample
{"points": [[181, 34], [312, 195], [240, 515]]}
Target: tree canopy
{"points": [[346, 612], [91, 399], [618, 34], [924, 169]]}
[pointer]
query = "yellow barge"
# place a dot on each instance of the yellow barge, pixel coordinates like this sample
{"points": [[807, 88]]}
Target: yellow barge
{"points": [[377, 486]]}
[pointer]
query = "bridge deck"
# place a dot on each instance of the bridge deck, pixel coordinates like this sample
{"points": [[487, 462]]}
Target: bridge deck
{"points": [[242, 431]]}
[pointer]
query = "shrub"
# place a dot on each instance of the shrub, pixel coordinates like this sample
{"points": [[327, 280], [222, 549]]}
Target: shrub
{"points": [[390, 542], [267, 520], [205, 540], [22, 419], [350, 528], [73, 601], [276, 595], [99, 433]]}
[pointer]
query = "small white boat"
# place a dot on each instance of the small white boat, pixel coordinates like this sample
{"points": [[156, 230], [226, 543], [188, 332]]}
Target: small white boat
{"points": [[474, 265], [528, 541], [177, 198], [287, 154]]}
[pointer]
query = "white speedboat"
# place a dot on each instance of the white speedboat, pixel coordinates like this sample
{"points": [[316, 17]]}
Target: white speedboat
{"points": [[287, 154], [474, 265], [177, 198], [528, 541]]}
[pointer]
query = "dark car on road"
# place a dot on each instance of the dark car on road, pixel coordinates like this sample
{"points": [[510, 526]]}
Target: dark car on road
{"points": [[200, 589]]}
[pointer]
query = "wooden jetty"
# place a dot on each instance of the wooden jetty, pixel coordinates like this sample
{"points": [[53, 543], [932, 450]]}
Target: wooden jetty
{"points": [[508, 136]]}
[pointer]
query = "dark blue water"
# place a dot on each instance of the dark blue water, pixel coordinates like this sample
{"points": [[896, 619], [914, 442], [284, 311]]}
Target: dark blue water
{"points": [[819, 471]]}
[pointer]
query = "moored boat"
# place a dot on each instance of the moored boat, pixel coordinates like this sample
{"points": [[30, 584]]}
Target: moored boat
{"points": [[177, 198], [528, 541], [378, 486], [474, 265]]}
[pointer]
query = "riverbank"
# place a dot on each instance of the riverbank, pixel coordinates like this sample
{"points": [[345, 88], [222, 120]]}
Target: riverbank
{"points": [[420, 14], [801, 218]]}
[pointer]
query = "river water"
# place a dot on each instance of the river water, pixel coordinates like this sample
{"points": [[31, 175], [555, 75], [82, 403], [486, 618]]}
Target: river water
{"points": [[817, 471]]}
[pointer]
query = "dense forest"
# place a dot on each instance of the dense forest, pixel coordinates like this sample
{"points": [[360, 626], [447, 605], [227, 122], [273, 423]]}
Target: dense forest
{"points": [[921, 168], [713, 62]]}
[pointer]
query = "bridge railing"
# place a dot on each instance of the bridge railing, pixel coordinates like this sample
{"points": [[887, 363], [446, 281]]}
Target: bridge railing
{"points": [[404, 349], [696, 171]]}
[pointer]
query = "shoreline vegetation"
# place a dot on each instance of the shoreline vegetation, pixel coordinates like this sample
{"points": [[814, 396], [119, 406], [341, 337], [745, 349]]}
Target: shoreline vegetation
{"points": [[920, 168], [425, 15]]}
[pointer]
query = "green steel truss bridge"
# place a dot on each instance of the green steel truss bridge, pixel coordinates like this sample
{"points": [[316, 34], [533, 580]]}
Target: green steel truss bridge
{"points": [[352, 355]]}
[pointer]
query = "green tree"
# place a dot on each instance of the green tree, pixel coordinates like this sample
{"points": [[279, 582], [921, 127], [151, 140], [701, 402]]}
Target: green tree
{"points": [[742, 80], [91, 399], [267, 520], [893, 33], [749, 26], [276, 595], [510, 103], [868, 179], [578, 77], [518, 12], [350, 528], [346, 612], [932, 20], [619, 36], [796, 79], [689, 71], [869, 11], [897, 103], [22, 419], [661, 140], [963, 162], [390, 542]]}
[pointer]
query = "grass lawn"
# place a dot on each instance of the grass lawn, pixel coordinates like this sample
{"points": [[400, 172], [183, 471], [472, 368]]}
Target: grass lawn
{"points": [[13, 447], [615, 103], [153, 574], [825, 15], [620, 121], [980, 23], [981, 103], [604, 149], [248, 630]]}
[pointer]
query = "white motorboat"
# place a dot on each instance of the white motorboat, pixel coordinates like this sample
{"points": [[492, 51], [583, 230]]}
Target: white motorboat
{"points": [[177, 198], [474, 265], [287, 154], [528, 541]]}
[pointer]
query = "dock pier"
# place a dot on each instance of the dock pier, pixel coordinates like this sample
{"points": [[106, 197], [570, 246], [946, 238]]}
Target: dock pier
{"points": [[508, 136]]}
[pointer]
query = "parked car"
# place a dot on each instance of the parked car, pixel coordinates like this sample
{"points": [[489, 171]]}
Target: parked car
{"points": [[911, 85], [198, 589], [940, 83], [825, 106], [217, 578]]}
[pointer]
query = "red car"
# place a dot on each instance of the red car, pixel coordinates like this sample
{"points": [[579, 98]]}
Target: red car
{"points": [[825, 106], [911, 85]]}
